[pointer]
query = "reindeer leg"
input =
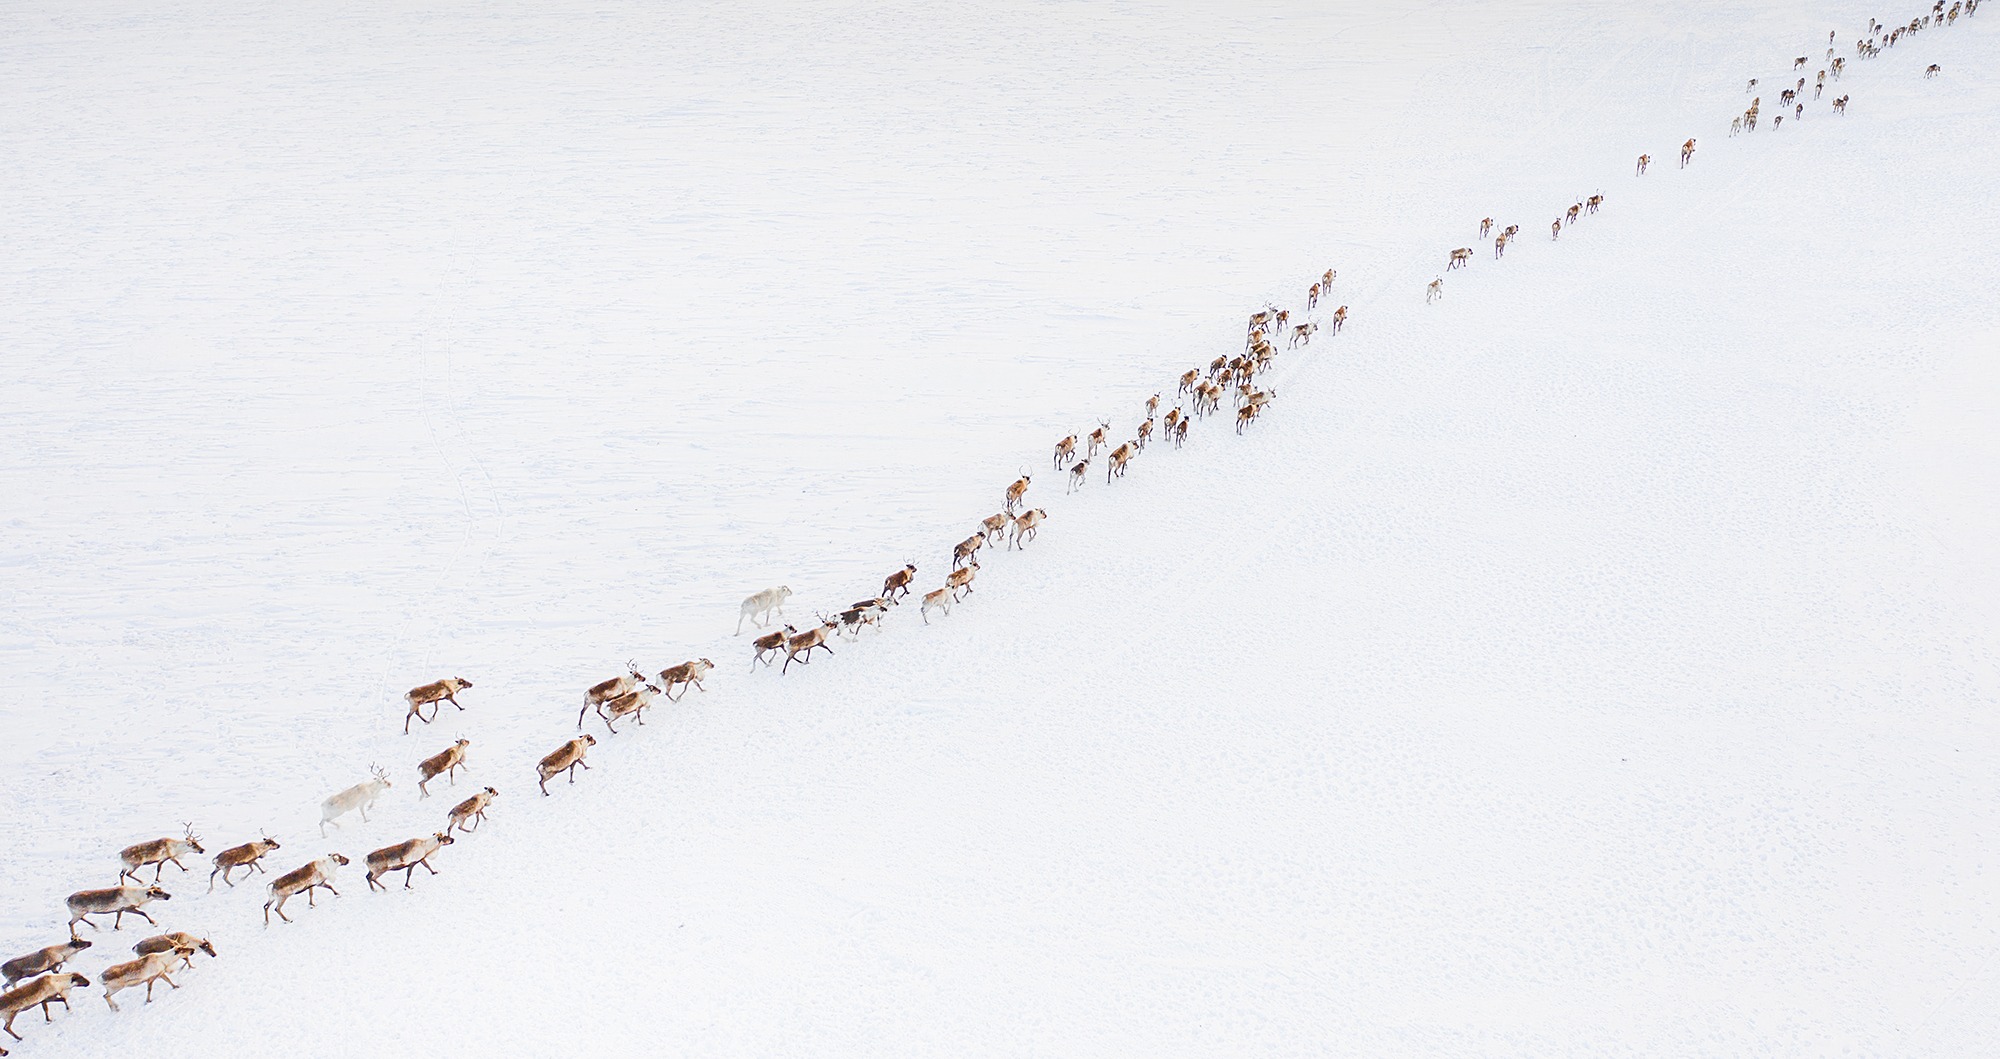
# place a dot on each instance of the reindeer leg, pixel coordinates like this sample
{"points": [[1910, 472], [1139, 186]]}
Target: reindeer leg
{"points": [[407, 874], [454, 702], [426, 862]]}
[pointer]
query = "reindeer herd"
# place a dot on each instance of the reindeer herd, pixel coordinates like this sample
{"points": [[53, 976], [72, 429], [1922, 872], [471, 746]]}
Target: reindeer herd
{"points": [[39, 979]]}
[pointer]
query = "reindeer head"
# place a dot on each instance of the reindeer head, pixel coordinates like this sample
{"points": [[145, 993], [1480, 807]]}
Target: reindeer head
{"points": [[784, 592], [154, 893], [491, 793], [77, 980], [461, 682], [381, 776], [204, 945], [193, 842], [651, 689], [462, 743], [632, 667], [336, 858], [589, 740], [78, 943], [442, 838]]}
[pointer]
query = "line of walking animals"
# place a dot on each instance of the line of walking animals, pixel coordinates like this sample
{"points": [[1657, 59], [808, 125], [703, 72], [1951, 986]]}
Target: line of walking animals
{"points": [[1867, 48]]}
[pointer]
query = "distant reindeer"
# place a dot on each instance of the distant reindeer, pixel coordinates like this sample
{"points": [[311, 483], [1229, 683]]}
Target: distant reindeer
{"points": [[1026, 527], [1556, 228], [1340, 316], [1460, 258], [1096, 438], [1647, 159], [1020, 488], [175, 941], [940, 599], [1485, 226], [1736, 126], [1302, 335], [360, 797], [470, 813], [159, 853], [1572, 212], [1244, 415], [769, 645], [444, 763], [1592, 203], [565, 758], [965, 551], [433, 695], [43, 991], [118, 901], [1326, 280], [143, 971], [1687, 152], [689, 672], [1189, 379], [801, 646], [1312, 296], [244, 856], [1120, 456], [865, 613], [1180, 433], [899, 582], [1065, 451], [405, 856], [960, 582], [1798, 62], [302, 880], [994, 525], [1076, 476], [605, 690], [1145, 434], [1152, 405], [761, 606], [1435, 290], [1499, 247], [632, 702], [41, 961], [1840, 105], [1932, 71], [1748, 88]]}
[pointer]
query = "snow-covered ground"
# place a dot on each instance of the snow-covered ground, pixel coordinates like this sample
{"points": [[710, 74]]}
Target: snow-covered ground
{"points": [[1599, 661]]}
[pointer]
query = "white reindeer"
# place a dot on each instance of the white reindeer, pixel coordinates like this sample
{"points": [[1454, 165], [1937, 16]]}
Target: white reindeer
{"points": [[361, 796], [762, 605]]}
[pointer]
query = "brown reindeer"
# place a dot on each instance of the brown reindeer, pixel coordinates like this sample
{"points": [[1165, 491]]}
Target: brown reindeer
{"points": [[1152, 405], [405, 856], [863, 614], [244, 856], [801, 646], [1065, 451], [1025, 528], [432, 695], [1189, 379], [1076, 476], [43, 991], [445, 763], [994, 525], [1340, 317], [1312, 296], [967, 550], [565, 758], [605, 690], [1096, 438], [633, 702], [1572, 212], [1687, 152], [117, 902], [143, 971], [1556, 228], [159, 853], [1145, 434], [768, 645], [1302, 335], [1592, 203], [896, 582], [1434, 290], [1460, 258], [1644, 161], [174, 941], [304, 879], [1326, 280], [1499, 247], [1932, 71], [1245, 414], [1120, 456], [1180, 433], [470, 813], [1015, 492], [960, 582], [41, 961]]}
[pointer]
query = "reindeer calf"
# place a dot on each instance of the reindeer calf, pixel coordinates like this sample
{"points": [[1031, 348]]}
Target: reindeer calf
{"points": [[244, 856], [994, 525], [967, 550], [768, 645], [470, 813], [445, 762], [406, 856], [432, 694], [565, 758]]}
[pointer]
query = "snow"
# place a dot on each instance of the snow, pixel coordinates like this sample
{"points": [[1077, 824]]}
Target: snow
{"points": [[1596, 662]]}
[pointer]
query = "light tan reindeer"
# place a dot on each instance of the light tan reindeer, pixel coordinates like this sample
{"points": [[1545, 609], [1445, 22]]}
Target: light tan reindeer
{"points": [[304, 879], [1077, 476], [159, 853], [244, 856], [633, 702], [768, 645], [470, 813], [1592, 203], [174, 941], [960, 582], [1026, 527], [1173, 417], [1687, 152], [1460, 258], [565, 758], [1245, 415], [938, 599], [1018, 490], [118, 902], [145, 970], [405, 856], [994, 525], [360, 797], [760, 606], [1485, 226], [1644, 161], [1120, 456], [1096, 438], [433, 695], [1312, 296], [444, 763], [1326, 280], [967, 550], [43, 991], [689, 672], [1572, 212], [606, 690], [1302, 335], [41, 961], [1436, 289], [1145, 434], [1152, 405], [1189, 379], [1065, 451], [899, 582], [801, 647], [1340, 315]]}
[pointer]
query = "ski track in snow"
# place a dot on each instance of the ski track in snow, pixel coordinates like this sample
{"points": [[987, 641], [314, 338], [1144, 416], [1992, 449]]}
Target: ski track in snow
{"points": [[1597, 662]]}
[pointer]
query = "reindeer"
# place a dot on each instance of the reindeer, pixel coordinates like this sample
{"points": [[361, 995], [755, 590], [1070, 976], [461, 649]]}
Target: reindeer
{"points": [[760, 606], [1214, 368], [174, 941], [1736, 126], [867, 612], [1572, 212], [244, 856], [994, 525], [967, 550], [41, 992], [1302, 335], [1434, 290], [769, 644], [1145, 434], [41, 961], [1687, 152], [1260, 320], [117, 901], [158, 853], [1020, 487], [801, 646], [1188, 380], [899, 582], [1785, 98], [1798, 62], [1839, 65], [1076, 476], [1747, 89], [432, 695], [1120, 456], [1326, 280], [143, 971], [1556, 228], [1180, 433], [1152, 405], [1485, 226], [1460, 258], [1065, 451], [470, 813], [960, 582], [1025, 528], [565, 758], [1312, 296], [1096, 439], [1499, 247], [405, 856], [445, 762], [1244, 415], [1840, 105], [632, 702], [361, 796], [1340, 315], [939, 599], [303, 879], [1173, 417], [1592, 203], [690, 673], [1644, 161], [1932, 71], [1284, 317], [605, 690]]}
